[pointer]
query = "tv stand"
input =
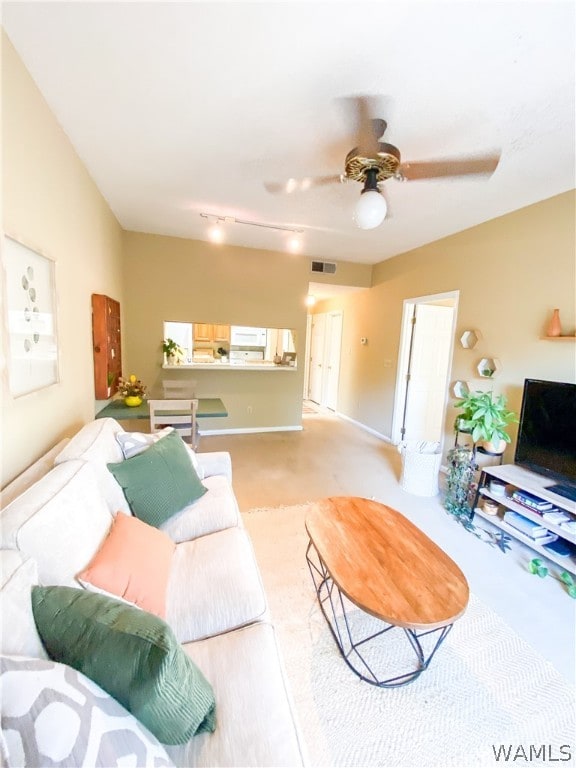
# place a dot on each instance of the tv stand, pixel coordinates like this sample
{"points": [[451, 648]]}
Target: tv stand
{"points": [[568, 491], [518, 478]]}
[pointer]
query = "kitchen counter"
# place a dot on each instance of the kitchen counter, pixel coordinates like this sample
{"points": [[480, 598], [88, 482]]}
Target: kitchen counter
{"points": [[237, 365]]}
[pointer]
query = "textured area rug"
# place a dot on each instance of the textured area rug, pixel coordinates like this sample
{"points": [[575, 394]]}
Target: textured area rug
{"points": [[487, 698]]}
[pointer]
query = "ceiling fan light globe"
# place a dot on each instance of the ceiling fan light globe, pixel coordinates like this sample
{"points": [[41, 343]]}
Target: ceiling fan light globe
{"points": [[370, 210]]}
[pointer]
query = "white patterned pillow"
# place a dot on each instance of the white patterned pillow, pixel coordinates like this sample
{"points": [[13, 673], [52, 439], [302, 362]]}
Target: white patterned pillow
{"points": [[133, 443], [54, 715], [18, 574]]}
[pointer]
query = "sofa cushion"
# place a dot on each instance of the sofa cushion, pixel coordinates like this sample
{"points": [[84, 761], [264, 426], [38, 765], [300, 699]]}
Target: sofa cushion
{"points": [[60, 522], [215, 511], [132, 654], [19, 636], [133, 563], [54, 715], [133, 443], [214, 586], [31, 475], [256, 725], [96, 443], [215, 463], [160, 481]]}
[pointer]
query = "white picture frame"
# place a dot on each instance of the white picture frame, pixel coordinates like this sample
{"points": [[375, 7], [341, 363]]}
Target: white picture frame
{"points": [[289, 358], [30, 318]]}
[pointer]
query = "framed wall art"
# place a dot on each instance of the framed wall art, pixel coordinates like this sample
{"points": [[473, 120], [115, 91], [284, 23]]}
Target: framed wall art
{"points": [[30, 316]]}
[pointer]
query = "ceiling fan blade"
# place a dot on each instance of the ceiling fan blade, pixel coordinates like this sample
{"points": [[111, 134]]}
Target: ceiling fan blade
{"points": [[369, 130], [367, 140], [435, 169], [301, 185]]}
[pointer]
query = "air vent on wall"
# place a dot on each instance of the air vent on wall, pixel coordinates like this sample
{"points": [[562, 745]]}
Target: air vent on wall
{"points": [[327, 267]]}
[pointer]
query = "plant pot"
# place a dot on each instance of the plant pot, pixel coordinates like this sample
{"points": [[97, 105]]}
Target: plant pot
{"points": [[497, 447], [132, 401], [171, 359]]}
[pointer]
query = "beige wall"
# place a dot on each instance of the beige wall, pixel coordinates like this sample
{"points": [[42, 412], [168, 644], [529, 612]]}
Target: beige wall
{"points": [[51, 204], [169, 278], [510, 272]]}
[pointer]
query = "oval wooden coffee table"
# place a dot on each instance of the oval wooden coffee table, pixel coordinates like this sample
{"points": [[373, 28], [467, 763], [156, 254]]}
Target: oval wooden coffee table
{"points": [[365, 553]]}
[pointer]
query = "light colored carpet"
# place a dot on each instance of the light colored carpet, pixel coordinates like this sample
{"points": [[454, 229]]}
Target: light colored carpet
{"points": [[485, 687]]}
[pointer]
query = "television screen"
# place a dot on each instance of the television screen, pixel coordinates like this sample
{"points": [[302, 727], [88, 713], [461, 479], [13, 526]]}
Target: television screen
{"points": [[547, 431]]}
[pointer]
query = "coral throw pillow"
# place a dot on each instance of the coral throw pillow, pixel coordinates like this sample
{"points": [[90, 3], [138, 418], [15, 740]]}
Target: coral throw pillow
{"points": [[133, 564]]}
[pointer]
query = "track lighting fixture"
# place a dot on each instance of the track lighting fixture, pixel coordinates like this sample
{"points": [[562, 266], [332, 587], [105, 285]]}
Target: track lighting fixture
{"points": [[216, 231], [217, 235]]}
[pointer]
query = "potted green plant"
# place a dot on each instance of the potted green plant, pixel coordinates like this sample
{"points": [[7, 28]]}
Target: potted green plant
{"points": [[486, 418], [172, 351], [223, 352]]}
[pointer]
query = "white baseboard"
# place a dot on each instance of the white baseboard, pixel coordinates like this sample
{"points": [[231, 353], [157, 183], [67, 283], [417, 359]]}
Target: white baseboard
{"points": [[248, 430], [364, 427]]}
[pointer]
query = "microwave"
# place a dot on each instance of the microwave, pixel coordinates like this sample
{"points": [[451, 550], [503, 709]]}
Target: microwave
{"points": [[245, 336]]}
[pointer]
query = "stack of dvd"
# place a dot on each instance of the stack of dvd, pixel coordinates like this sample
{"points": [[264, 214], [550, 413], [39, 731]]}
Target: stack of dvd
{"points": [[532, 502], [528, 527]]}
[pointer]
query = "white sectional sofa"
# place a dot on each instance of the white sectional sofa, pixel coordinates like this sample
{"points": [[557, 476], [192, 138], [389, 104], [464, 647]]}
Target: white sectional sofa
{"points": [[215, 602]]}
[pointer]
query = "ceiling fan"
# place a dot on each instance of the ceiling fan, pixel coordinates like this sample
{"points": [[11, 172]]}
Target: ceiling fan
{"points": [[373, 161]]}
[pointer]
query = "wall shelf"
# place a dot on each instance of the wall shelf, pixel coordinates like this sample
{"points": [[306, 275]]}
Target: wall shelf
{"points": [[460, 389], [469, 339], [558, 338], [488, 367]]}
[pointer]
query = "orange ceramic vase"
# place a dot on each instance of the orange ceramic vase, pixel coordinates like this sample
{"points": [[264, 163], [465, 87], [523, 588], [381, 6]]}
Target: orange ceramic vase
{"points": [[554, 327]]}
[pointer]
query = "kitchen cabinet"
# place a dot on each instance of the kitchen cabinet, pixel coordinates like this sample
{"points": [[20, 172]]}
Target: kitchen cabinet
{"points": [[107, 345], [222, 333], [211, 332], [203, 331]]}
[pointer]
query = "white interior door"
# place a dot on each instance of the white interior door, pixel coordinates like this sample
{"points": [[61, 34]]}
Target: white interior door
{"points": [[424, 365], [429, 364], [333, 345], [317, 344]]}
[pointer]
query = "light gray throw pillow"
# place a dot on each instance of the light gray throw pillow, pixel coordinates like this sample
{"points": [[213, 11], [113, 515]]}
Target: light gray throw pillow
{"points": [[54, 715]]}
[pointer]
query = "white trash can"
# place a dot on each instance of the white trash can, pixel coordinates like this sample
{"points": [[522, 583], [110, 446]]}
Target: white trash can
{"points": [[420, 467]]}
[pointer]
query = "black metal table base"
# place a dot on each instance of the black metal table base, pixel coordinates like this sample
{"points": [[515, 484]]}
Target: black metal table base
{"points": [[333, 606]]}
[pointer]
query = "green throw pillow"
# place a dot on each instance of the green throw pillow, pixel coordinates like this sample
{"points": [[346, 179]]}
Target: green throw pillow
{"points": [[132, 654], [160, 481]]}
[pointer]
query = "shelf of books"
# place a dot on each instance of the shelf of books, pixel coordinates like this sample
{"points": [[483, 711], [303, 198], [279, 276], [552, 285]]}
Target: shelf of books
{"points": [[530, 512]]}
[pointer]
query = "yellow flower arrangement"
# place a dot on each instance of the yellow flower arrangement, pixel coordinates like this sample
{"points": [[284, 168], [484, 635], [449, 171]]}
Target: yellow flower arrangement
{"points": [[131, 387]]}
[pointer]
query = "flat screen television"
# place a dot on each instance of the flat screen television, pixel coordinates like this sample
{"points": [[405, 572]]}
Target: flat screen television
{"points": [[547, 433]]}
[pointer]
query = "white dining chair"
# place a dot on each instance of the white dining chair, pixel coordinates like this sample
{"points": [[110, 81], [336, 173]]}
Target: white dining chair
{"points": [[177, 413], [179, 388]]}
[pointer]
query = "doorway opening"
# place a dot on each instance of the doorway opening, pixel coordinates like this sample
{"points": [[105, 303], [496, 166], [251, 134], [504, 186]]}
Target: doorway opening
{"points": [[424, 365], [322, 375]]}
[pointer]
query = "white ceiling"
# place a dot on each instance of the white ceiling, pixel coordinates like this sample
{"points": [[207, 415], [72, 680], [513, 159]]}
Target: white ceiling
{"points": [[182, 108]]}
